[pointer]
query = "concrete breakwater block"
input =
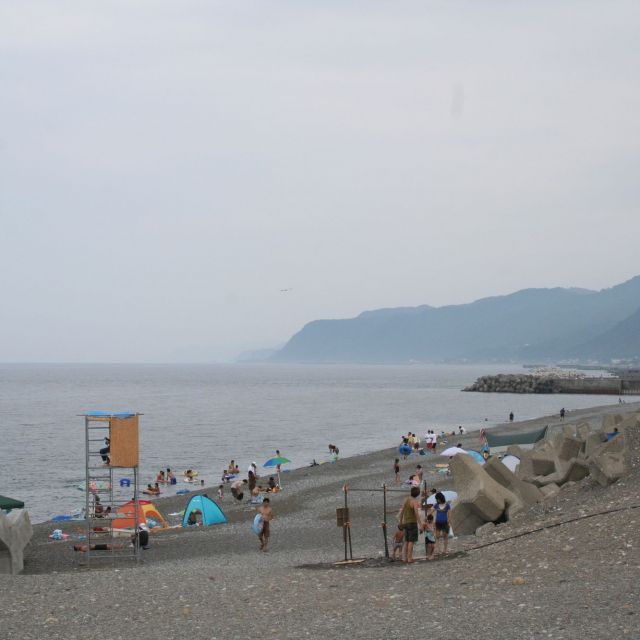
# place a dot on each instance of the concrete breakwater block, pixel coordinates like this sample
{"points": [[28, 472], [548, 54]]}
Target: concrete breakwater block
{"points": [[557, 460], [550, 490], [607, 463], [15, 533], [480, 498], [492, 493], [527, 492]]}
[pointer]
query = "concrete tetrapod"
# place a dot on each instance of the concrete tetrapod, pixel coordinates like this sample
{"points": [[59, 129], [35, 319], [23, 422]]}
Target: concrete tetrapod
{"points": [[480, 498], [527, 492], [607, 463], [15, 533], [611, 421], [557, 460]]}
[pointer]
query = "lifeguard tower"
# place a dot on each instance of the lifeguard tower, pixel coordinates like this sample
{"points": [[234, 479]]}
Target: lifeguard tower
{"points": [[113, 509]]}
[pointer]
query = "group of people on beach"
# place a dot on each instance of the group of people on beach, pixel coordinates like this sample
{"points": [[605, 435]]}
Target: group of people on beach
{"points": [[417, 515], [430, 440]]}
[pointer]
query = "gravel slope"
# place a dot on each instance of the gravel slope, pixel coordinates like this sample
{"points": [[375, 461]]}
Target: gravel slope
{"points": [[578, 578]]}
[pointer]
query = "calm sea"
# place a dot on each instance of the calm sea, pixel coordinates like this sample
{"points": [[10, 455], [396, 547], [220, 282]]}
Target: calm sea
{"points": [[201, 416]]}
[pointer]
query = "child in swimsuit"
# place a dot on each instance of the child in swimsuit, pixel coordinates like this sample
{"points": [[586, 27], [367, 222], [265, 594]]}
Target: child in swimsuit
{"points": [[398, 539], [430, 537]]}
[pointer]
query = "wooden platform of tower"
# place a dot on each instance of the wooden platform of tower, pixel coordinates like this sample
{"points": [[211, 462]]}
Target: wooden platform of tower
{"points": [[111, 481]]}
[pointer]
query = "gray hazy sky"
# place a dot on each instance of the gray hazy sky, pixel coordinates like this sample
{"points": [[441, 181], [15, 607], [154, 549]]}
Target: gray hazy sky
{"points": [[167, 167]]}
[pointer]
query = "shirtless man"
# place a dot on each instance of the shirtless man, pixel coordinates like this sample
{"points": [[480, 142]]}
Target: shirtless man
{"points": [[267, 517]]}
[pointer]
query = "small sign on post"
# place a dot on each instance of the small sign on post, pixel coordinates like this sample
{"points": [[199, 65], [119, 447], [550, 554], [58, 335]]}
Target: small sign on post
{"points": [[342, 515]]}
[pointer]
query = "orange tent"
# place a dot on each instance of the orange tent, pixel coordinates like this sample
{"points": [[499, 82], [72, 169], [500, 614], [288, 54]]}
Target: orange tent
{"points": [[127, 518]]}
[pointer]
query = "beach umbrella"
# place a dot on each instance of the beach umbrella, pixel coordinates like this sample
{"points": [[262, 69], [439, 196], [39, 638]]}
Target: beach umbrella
{"points": [[449, 496], [405, 449], [276, 462], [475, 455], [453, 451]]}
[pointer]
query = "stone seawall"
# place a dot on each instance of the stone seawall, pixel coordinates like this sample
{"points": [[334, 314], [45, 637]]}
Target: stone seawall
{"points": [[515, 383]]}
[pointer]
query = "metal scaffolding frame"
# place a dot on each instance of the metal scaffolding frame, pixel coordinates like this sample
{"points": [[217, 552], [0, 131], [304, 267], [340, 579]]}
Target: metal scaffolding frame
{"points": [[112, 487]]}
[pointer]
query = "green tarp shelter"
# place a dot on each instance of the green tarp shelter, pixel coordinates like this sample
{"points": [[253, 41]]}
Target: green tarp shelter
{"points": [[9, 503], [504, 440]]}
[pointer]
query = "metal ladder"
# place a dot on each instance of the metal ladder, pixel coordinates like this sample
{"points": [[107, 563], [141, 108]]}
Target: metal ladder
{"points": [[115, 487]]}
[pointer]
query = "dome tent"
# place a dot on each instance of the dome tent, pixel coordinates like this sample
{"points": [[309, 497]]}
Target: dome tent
{"points": [[127, 517], [211, 512]]}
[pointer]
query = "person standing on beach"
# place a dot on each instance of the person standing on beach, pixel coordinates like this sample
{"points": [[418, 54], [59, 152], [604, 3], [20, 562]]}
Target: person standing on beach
{"points": [[396, 470], [562, 413], [410, 520], [442, 521], [511, 417], [267, 516]]}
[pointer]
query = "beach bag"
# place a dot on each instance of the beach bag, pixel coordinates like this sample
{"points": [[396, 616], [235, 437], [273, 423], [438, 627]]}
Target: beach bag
{"points": [[258, 523]]}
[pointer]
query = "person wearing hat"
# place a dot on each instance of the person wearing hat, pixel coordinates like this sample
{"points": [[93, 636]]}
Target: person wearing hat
{"points": [[142, 534]]}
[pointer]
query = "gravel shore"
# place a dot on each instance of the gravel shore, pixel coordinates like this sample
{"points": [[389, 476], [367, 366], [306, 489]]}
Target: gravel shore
{"points": [[565, 575]]}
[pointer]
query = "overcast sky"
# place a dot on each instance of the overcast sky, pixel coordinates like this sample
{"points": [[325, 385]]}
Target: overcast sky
{"points": [[166, 168]]}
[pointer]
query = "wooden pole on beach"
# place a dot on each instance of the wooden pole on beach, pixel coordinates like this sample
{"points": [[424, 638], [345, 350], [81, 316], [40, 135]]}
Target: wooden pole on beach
{"points": [[346, 490], [384, 520], [345, 524]]}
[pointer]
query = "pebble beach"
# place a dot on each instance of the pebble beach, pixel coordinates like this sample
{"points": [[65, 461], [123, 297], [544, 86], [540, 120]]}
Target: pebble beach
{"points": [[560, 569]]}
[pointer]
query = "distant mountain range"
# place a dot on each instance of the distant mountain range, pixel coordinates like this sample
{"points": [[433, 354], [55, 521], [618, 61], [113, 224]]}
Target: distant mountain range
{"points": [[526, 326]]}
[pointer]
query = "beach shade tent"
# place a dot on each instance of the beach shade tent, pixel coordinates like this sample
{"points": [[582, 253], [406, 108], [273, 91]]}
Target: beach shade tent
{"points": [[126, 516], [475, 455], [526, 440], [211, 512], [274, 462], [6, 504], [453, 451], [511, 462]]}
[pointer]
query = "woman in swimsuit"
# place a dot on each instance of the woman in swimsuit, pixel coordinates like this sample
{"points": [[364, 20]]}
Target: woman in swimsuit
{"points": [[442, 521]]}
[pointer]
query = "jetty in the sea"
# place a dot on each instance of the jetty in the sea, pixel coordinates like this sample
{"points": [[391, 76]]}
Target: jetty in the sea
{"points": [[541, 382]]}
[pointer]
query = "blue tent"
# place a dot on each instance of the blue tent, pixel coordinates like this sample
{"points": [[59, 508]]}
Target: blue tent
{"points": [[478, 457], [211, 512]]}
